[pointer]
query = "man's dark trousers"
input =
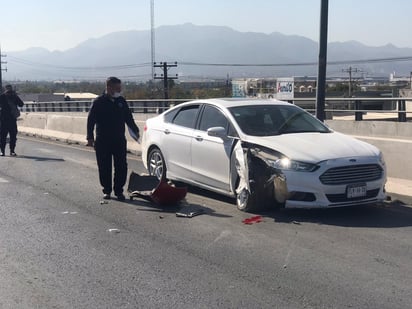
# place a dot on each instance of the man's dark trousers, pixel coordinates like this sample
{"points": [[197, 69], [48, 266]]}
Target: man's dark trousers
{"points": [[8, 127], [105, 153]]}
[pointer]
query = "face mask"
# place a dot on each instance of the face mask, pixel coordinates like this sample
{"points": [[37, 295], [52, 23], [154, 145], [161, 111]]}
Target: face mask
{"points": [[116, 94]]}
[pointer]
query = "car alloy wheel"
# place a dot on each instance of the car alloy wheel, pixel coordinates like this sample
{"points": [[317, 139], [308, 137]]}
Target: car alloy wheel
{"points": [[156, 164]]}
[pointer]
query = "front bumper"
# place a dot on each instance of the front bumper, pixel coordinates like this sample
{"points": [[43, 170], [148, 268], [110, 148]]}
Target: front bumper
{"points": [[306, 190]]}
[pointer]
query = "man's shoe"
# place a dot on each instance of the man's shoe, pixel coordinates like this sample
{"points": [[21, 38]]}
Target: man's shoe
{"points": [[106, 196], [13, 154], [120, 197], [2, 154]]}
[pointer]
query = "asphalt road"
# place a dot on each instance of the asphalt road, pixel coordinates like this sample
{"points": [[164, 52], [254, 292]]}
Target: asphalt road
{"points": [[60, 247]]}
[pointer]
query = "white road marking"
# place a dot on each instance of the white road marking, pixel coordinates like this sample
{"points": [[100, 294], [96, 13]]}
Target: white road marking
{"points": [[45, 150], [2, 180]]}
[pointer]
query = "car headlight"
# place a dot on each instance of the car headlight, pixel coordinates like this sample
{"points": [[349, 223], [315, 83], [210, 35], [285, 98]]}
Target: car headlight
{"points": [[292, 165]]}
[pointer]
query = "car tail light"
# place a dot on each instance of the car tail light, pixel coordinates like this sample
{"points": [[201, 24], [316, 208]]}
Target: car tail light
{"points": [[145, 128]]}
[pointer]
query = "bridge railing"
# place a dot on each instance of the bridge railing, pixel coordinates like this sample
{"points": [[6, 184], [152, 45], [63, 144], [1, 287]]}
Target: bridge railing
{"points": [[397, 107], [392, 107], [137, 106]]}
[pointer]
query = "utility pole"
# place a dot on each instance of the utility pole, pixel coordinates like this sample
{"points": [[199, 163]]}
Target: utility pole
{"points": [[350, 71], [1, 70], [323, 46], [165, 66], [164, 76]]}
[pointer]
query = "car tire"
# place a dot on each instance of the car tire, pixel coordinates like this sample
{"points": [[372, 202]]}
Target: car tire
{"points": [[260, 197], [246, 201], [156, 165]]}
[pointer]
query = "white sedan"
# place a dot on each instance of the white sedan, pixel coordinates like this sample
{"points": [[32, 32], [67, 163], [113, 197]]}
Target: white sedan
{"points": [[263, 152]]}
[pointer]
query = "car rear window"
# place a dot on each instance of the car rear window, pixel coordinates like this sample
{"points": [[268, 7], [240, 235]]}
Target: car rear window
{"points": [[186, 116]]}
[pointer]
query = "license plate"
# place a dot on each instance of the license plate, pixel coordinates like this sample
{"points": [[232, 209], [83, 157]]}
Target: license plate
{"points": [[356, 190]]}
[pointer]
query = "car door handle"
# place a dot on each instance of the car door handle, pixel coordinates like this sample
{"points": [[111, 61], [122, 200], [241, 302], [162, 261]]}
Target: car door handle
{"points": [[166, 131], [199, 138]]}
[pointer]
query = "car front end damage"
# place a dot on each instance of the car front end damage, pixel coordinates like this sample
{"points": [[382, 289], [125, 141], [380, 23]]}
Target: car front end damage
{"points": [[273, 179]]}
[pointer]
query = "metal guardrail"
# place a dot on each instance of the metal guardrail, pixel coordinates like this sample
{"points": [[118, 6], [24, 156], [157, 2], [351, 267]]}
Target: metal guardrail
{"points": [[333, 106], [136, 106]]}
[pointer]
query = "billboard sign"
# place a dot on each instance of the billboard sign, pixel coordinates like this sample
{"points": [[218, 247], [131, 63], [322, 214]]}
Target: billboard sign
{"points": [[239, 88], [285, 88]]}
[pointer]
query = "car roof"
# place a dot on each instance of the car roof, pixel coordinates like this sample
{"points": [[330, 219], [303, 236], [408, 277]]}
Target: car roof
{"points": [[230, 102]]}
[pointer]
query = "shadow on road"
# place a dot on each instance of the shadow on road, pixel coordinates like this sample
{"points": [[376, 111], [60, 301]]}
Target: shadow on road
{"points": [[39, 158], [387, 215], [190, 209]]}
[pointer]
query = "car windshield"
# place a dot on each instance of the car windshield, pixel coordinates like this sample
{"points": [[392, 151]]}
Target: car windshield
{"points": [[268, 120]]}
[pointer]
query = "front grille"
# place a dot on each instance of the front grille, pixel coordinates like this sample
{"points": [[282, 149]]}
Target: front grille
{"points": [[339, 198], [351, 174]]}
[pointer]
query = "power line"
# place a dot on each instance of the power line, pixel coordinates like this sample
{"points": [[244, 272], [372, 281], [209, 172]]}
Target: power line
{"points": [[355, 61], [185, 63], [86, 70], [146, 64], [113, 67]]}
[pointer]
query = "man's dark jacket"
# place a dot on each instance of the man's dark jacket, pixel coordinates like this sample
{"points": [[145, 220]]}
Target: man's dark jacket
{"points": [[110, 116], [8, 107]]}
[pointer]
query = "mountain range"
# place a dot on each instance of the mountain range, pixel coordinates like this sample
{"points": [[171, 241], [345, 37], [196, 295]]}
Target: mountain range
{"points": [[201, 51]]}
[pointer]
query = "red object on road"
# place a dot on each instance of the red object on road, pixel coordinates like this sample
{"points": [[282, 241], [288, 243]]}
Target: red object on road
{"points": [[251, 220], [166, 194]]}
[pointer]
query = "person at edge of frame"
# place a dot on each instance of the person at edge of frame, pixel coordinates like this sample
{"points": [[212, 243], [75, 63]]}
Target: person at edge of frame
{"points": [[9, 112], [109, 113]]}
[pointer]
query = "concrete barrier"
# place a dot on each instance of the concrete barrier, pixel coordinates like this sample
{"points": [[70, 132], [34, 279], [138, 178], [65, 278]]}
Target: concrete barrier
{"points": [[71, 128], [391, 129]]}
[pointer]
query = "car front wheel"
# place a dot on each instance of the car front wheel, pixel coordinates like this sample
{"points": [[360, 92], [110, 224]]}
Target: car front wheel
{"points": [[245, 201], [156, 164]]}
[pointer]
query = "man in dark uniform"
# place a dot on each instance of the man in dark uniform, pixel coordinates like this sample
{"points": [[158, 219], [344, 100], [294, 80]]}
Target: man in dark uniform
{"points": [[109, 113], [9, 112]]}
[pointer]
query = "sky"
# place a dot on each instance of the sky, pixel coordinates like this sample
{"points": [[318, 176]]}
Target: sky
{"points": [[62, 24]]}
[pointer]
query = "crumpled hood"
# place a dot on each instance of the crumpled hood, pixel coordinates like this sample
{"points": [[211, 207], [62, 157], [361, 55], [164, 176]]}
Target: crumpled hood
{"points": [[315, 147]]}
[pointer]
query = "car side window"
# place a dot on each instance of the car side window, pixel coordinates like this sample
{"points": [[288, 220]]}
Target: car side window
{"points": [[169, 115], [212, 117], [186, 117]]}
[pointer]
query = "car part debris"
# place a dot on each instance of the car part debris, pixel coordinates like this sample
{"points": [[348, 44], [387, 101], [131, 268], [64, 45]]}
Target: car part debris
{"points": [[113, 230], [189, 212], [259, 184], [149, 188]]}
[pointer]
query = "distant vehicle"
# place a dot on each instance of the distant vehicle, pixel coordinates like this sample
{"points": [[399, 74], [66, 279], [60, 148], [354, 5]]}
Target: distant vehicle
{"points": [[262, 152]]}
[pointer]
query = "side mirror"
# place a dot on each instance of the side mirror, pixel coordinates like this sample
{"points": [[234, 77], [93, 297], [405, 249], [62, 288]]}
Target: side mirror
{"points": [[217, 132]]}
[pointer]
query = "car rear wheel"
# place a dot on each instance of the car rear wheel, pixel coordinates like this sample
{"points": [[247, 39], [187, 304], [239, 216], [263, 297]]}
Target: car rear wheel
{"points": [[156, 164]]}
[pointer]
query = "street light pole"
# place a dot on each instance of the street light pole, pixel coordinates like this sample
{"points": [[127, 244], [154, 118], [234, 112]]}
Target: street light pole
{"points": [[323, 44]]}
